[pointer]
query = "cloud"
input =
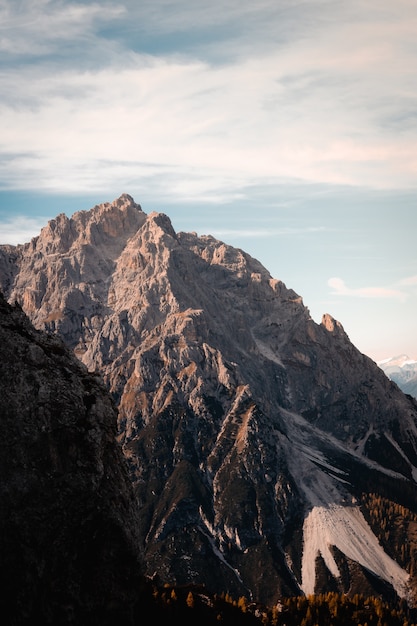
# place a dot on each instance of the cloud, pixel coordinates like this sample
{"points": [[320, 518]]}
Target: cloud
{"points": [[41, 27], [188, 115], [341, 289], [409, 281], [296, 91], [20, 229]]}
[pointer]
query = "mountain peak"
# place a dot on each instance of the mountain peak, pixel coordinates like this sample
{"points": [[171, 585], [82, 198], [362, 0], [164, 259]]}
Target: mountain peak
{"points": [[399, 360], [125, 199], [332, 325], [248, 428], [124, 203], [103, 225], [123, 211], [403, 371]]}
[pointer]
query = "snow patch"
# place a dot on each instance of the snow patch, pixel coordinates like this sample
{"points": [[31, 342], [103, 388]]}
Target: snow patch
{"points": [[345, 528], [398, 361]]}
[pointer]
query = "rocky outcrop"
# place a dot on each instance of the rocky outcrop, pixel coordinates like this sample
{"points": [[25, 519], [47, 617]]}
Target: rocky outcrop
{"points": [[244, 423], [69, 548]]}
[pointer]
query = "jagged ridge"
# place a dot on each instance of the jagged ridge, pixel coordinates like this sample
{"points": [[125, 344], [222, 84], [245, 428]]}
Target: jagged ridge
{"points": [[234, 405]]}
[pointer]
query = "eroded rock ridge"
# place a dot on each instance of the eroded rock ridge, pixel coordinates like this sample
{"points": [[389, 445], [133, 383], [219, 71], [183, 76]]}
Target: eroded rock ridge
{"points": [[250, 430]]}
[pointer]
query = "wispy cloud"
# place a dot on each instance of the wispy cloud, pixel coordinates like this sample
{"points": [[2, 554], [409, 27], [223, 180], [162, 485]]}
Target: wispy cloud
{"points": [[289, 90], [20, 229], [42, 27], [341, 289], [409, 281]]}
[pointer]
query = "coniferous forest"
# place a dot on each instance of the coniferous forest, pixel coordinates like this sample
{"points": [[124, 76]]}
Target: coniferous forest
{"points": [[189, 605]]}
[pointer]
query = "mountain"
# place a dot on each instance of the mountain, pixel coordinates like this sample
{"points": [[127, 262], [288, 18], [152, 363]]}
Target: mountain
{"points": [[403, 371], [68, 518], [68, 521], [410, 387], [268, 456]]}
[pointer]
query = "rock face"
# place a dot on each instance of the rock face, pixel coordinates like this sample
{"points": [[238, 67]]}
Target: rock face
{"points": [[68, 522], [251, 432]]}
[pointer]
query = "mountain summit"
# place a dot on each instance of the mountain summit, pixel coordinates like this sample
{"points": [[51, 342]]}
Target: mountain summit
{"points": [[264, 448], [403, 371]]}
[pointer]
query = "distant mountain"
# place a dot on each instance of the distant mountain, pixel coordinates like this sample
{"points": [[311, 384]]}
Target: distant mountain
{"points": [[403, 371], [268, 456], [410, 387]]}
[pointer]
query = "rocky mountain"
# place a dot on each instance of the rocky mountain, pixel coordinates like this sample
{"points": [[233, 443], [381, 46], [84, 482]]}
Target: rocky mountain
{"points": [[403, 371], [69, 546], [268, 456]]}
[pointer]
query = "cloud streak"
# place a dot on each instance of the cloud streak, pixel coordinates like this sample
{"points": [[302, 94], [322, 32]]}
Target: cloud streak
{"points": [[20, 229], [410, 281], [341, 289], [42, 27]]}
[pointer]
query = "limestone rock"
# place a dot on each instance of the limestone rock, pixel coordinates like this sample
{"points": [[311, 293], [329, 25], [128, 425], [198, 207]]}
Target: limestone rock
{"points": [[238, 414]]}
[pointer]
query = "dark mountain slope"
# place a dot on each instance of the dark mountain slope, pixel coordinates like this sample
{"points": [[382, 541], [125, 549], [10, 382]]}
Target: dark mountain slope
{"points": [[68, 540]]}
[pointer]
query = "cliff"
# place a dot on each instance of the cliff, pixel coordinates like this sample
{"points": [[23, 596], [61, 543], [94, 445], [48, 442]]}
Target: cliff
{"points": [[251, 433]]}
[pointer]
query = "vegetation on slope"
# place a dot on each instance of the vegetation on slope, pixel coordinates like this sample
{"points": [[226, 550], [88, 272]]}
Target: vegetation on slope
{"points": [[191, 605]]}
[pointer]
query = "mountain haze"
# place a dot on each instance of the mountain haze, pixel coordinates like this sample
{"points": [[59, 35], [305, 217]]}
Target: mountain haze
{"points": [[257, 440], [403, 371]]}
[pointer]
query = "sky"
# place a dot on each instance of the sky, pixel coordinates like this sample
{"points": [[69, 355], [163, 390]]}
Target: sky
{"points": [[287, 128]]}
